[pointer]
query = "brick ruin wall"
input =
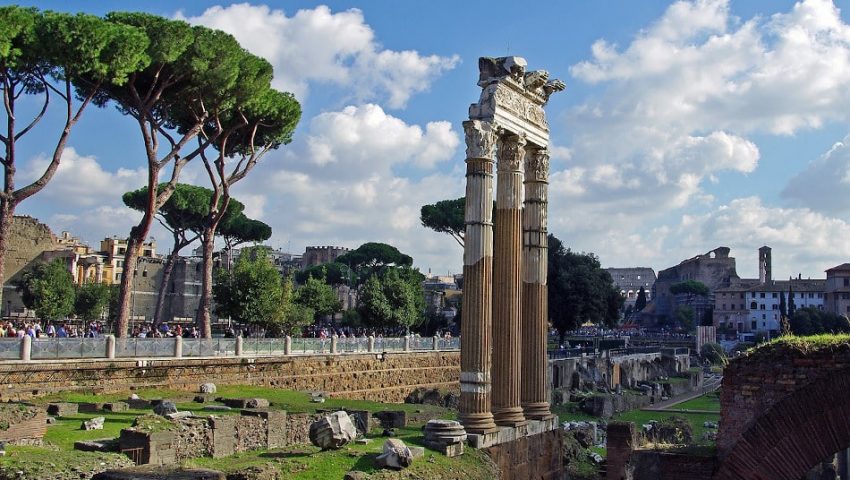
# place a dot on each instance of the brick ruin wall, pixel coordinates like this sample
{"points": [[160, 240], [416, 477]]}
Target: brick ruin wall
{"points": [[755, 383], [355, 376], [537, 456], [28, 238]]}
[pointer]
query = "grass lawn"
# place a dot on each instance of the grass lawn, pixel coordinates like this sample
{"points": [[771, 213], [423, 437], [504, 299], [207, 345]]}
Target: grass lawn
{"points": [[709, 401], [640, 417], [294, 462], [570, 412]]}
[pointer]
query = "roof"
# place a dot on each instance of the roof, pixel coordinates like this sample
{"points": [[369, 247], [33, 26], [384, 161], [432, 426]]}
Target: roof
{"points": [[844, 267], [797, 285]]}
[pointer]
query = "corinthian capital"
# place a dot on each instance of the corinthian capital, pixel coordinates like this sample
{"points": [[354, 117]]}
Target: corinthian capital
{"points": [[481, 138], [512, 152], [537, 165]]}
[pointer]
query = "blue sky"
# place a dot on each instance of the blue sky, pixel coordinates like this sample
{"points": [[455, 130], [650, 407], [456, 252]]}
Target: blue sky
{"points": [[684, 126]]}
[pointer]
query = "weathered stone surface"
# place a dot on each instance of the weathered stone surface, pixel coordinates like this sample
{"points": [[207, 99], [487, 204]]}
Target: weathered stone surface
{"points": [[417, 452], [160, 473], [392, 418], [95, 423], [257, 403], [89, 407], [116, 407], [217, 408], [332, 431], [355, 376], [178, 415], [165, 407], [207, 388], [395, 455], [101, 445], [62, 409], [355, 475], [441, 434]]}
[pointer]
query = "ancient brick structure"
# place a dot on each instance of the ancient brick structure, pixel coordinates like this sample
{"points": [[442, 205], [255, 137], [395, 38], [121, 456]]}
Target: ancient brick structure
{"points": [[783, 411], [538, 457], [386, 378]]}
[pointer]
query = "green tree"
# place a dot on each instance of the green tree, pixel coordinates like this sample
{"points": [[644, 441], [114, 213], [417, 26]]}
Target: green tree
{"points": [[48, 289], [193, 78], [714, 353], [333, 273], [783, 308], [579, 289], [251, 292], [42, 56], [240, 229], [91, 300], [372, 303], [373, 258], [446, 216], [691, 289], [405, 310], [183, 215], [640, 303], [684, 316], [292, 315], [319, 297], [812, 321]]}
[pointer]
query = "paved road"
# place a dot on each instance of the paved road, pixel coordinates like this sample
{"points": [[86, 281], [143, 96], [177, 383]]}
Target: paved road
{"points": [[710, 384]]}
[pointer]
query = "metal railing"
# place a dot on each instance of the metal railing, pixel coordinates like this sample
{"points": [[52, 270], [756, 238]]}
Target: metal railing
{"points": [[109, 347]]}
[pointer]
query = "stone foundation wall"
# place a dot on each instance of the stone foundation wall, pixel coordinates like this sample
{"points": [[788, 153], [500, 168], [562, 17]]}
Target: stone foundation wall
{"points": [[356, 376], [538, 457]]}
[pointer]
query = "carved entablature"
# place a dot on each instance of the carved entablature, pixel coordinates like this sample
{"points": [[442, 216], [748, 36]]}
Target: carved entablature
{"points": [[537, 165], [481, 139], [511, 153], [515, 98]]}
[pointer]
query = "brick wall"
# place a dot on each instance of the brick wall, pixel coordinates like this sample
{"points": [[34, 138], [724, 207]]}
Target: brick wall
{"points": [[538, 457], [357, 376]]}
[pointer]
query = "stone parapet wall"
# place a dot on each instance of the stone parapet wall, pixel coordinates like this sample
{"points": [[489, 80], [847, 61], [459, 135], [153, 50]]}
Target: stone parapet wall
{"points": [[389, 378], [534, 457]]}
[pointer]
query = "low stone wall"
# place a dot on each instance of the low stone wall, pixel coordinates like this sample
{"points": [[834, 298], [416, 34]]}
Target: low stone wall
{"points": [[627, 461], [386, 378], [539, 457], [22, 425]]}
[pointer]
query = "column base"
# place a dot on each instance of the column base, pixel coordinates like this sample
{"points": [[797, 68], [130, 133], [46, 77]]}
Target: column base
{"points": [[509, 417], [537, 411], [478, 423]]}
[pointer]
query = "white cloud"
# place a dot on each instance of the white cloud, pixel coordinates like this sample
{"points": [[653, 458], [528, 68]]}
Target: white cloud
{"points": [[81, 181], [318, 45], [824, 184], [361, 141]]}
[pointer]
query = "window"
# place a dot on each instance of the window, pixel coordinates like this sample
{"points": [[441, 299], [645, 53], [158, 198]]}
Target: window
{"points": [[775, 306], [742, 294], [724, 307], [742, 306], [845, 296], [847, 282], [774, 295], [820, 295], [117, 276], [753, 325], [754, 294], [761, 307], [761, 295], [121, 251], [763, 316], [811, 295], [754, 305], [145, 273], [732, 306]]}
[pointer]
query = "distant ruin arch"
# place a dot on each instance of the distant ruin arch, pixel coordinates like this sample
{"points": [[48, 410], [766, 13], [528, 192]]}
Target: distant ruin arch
{"points": [[794, 435]]}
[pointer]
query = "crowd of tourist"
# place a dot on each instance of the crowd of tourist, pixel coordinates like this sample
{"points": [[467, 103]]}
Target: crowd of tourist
{"points": [[50, 330]]}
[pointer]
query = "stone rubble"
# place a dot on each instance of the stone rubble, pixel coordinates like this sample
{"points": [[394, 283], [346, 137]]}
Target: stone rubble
{"points": [[332, 431], [95, 423], [207, 388], [396, 455], [165, 407]]}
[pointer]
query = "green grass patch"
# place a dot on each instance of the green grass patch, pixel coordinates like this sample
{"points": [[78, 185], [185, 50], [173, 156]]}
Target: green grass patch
{"points": [[709, 401], [307, 462], [802, 344], [570, 412], [56, 463], [640, 417]]}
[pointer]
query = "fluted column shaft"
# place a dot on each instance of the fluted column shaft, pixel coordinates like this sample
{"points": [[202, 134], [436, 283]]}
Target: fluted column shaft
{"points": [[534, 288], [507, 270], [475, 388]]}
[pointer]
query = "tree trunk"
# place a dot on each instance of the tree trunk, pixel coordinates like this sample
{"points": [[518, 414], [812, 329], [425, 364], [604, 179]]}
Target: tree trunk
{"points": [[131, 257], [203, 316], [7, 212], [166, 278]]}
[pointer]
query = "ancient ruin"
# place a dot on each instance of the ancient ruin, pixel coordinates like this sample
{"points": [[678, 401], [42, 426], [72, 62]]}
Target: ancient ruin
{"points": [[505, 296]]}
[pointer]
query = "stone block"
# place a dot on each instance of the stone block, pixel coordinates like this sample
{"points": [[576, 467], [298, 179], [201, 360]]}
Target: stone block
{"points": [[138, 403], [89, 407], [362, 420], [392, 418], [178, 415], [116, 407], [63, 409], [165, 407], [417, 452], [95, 423], [396, 455], [207, 388], [245, 402], [100, 445], [223, 436], [332, 431]]}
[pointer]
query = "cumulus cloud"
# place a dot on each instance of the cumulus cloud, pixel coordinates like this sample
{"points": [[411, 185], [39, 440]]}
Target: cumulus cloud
{"points": [[360, 141], [822, 186], [81, 181], [675, 107], [331, 48], [803, 241]]}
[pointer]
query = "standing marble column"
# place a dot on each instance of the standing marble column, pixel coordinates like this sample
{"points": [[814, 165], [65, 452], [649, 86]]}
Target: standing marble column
{"points": [[507, 268], [474, 408], [534, 288]]}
